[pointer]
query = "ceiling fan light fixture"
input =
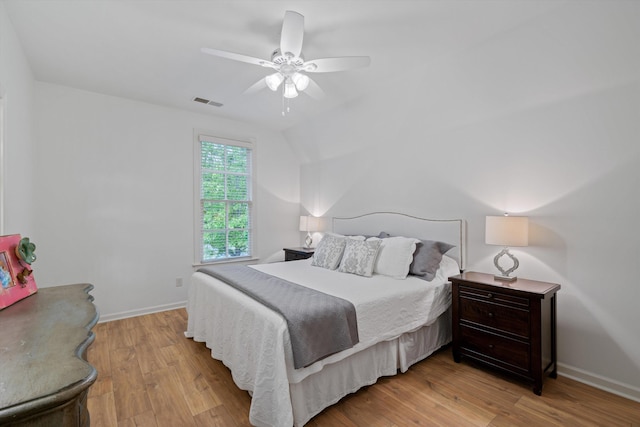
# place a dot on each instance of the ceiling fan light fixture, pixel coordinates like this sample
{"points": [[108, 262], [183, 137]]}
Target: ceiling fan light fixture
{"points": [[274, 81], [290, 89], [301, 81]]}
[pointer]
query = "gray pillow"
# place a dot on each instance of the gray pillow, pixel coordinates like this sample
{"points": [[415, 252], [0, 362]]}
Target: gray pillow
{"points": [[427, 257], [382, 235]]}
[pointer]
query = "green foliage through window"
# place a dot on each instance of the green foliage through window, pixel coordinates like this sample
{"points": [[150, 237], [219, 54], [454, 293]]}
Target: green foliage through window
{"points": [[225, 200]]}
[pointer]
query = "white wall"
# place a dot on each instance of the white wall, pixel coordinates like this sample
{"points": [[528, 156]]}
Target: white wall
{"points": [[16, 95], [542, 120], [115, 196]]}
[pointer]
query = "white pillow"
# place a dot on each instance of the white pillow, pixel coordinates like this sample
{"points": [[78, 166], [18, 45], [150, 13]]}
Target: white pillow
{"points": [[448, 267], [329, 251], [359, 257], [395, 256], [355, 237]]}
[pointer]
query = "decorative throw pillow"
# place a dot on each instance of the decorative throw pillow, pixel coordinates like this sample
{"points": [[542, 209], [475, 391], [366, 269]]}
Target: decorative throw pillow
{"points": [[427, 257], [359, 257], [395, 256], [329, 251]]}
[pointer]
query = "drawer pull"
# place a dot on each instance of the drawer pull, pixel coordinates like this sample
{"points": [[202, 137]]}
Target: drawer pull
{"points": [[490, 345], [489, 295], [491, 315]]}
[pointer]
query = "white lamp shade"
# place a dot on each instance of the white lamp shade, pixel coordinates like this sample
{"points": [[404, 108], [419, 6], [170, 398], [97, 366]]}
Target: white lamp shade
{"points": [[274, 80], [309, 223], [301, 81], [507, 230], [290, 89]]}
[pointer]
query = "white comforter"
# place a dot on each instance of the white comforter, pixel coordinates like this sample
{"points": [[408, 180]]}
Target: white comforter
{"points": [[253, 341]]}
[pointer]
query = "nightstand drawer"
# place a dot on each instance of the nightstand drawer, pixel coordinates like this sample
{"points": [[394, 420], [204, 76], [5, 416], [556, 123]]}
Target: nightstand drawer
{"points": [[494, 297], [497, 316], [496, 349]]}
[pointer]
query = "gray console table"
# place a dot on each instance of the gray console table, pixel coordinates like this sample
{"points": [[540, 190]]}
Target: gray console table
{"points": [[44, 376]]}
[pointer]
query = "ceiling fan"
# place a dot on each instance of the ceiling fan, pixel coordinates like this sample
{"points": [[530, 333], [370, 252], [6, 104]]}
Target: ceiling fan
{"points": [[289, 64]]}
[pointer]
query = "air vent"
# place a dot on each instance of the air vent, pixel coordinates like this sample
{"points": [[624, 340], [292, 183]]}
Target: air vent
{"points": [[206, 101]]}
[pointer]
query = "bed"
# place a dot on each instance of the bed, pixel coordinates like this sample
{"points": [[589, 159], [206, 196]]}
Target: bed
{"points": [[399, 321]]}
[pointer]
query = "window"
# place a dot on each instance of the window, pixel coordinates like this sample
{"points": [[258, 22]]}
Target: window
{"points": [[224, 183]]}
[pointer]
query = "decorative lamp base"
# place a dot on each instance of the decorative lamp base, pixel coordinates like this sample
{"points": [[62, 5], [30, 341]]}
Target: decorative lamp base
{"points": [[307, 241], [505, 273], [505, 278]]}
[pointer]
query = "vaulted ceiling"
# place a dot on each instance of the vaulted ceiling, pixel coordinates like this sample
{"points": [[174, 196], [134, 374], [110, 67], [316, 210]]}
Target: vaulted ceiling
{"points": [[150, 50]]}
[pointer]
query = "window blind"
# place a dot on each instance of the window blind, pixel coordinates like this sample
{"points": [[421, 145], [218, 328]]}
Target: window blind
{"points": [[226, 203]]}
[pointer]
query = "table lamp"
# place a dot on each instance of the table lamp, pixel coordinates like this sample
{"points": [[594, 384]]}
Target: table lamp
{"points": [[309, 224], [506, 231]]}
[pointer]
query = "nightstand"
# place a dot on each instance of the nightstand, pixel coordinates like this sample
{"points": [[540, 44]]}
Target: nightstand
{"points": [[293, 254], [510, 326]]}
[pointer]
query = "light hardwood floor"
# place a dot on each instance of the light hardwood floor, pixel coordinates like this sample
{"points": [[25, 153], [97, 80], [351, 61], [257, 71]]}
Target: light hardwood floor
{"points": [[149, 374]]}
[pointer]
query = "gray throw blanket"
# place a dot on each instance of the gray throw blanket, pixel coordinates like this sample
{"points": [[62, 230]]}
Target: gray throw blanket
{"points": [[319, 324]]}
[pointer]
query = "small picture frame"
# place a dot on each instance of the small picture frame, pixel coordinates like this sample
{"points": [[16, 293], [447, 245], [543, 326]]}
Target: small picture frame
{"points": [[16, 275], [6, 272]]}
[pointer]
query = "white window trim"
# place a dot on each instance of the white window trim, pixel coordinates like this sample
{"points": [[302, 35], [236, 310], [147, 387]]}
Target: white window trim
{"points": [[245, 142]]}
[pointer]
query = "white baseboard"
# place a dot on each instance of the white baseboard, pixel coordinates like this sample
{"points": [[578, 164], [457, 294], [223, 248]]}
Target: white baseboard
{"points": [[141, 311], [597, 381]]}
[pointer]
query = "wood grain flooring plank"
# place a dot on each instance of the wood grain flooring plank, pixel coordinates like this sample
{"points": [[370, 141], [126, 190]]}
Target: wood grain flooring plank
{"points": [[198, 391], [218, 376], [172, 354], [424, 396], [149, 357], [98, 351], [582, 400], [124, 338], [331, 418], [125, 369], [103, 384], [217, 417], [460, 387], [538, 408], [166, 394], [131, 402], [102, 410], [146, 419]]}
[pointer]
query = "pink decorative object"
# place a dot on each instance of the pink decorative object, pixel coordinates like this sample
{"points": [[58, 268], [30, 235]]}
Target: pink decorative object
{"points": [[16, 278]]}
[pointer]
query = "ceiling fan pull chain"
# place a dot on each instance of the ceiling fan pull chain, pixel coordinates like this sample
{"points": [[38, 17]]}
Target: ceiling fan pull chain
{"points": [[285, 109], [283, 113]]}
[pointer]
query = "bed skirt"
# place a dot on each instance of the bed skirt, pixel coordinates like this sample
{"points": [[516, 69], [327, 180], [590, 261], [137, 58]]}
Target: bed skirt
{"points": [[326, 387]]}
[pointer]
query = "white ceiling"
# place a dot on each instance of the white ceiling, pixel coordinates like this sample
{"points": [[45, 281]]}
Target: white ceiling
{"points": [[150, 50]]}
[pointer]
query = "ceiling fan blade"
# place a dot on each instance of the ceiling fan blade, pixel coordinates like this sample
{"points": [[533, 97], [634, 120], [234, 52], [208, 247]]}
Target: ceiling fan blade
{"points": [[237, 57], [314, 91], [292, 33], [257, 86], [329, 65]]}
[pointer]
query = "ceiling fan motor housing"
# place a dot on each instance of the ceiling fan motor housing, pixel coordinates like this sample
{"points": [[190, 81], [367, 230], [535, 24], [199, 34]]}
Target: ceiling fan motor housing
{"points": [[287, 59]]}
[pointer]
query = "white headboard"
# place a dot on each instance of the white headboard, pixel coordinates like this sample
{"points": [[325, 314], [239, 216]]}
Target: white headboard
{"points": [[452, 231]]}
